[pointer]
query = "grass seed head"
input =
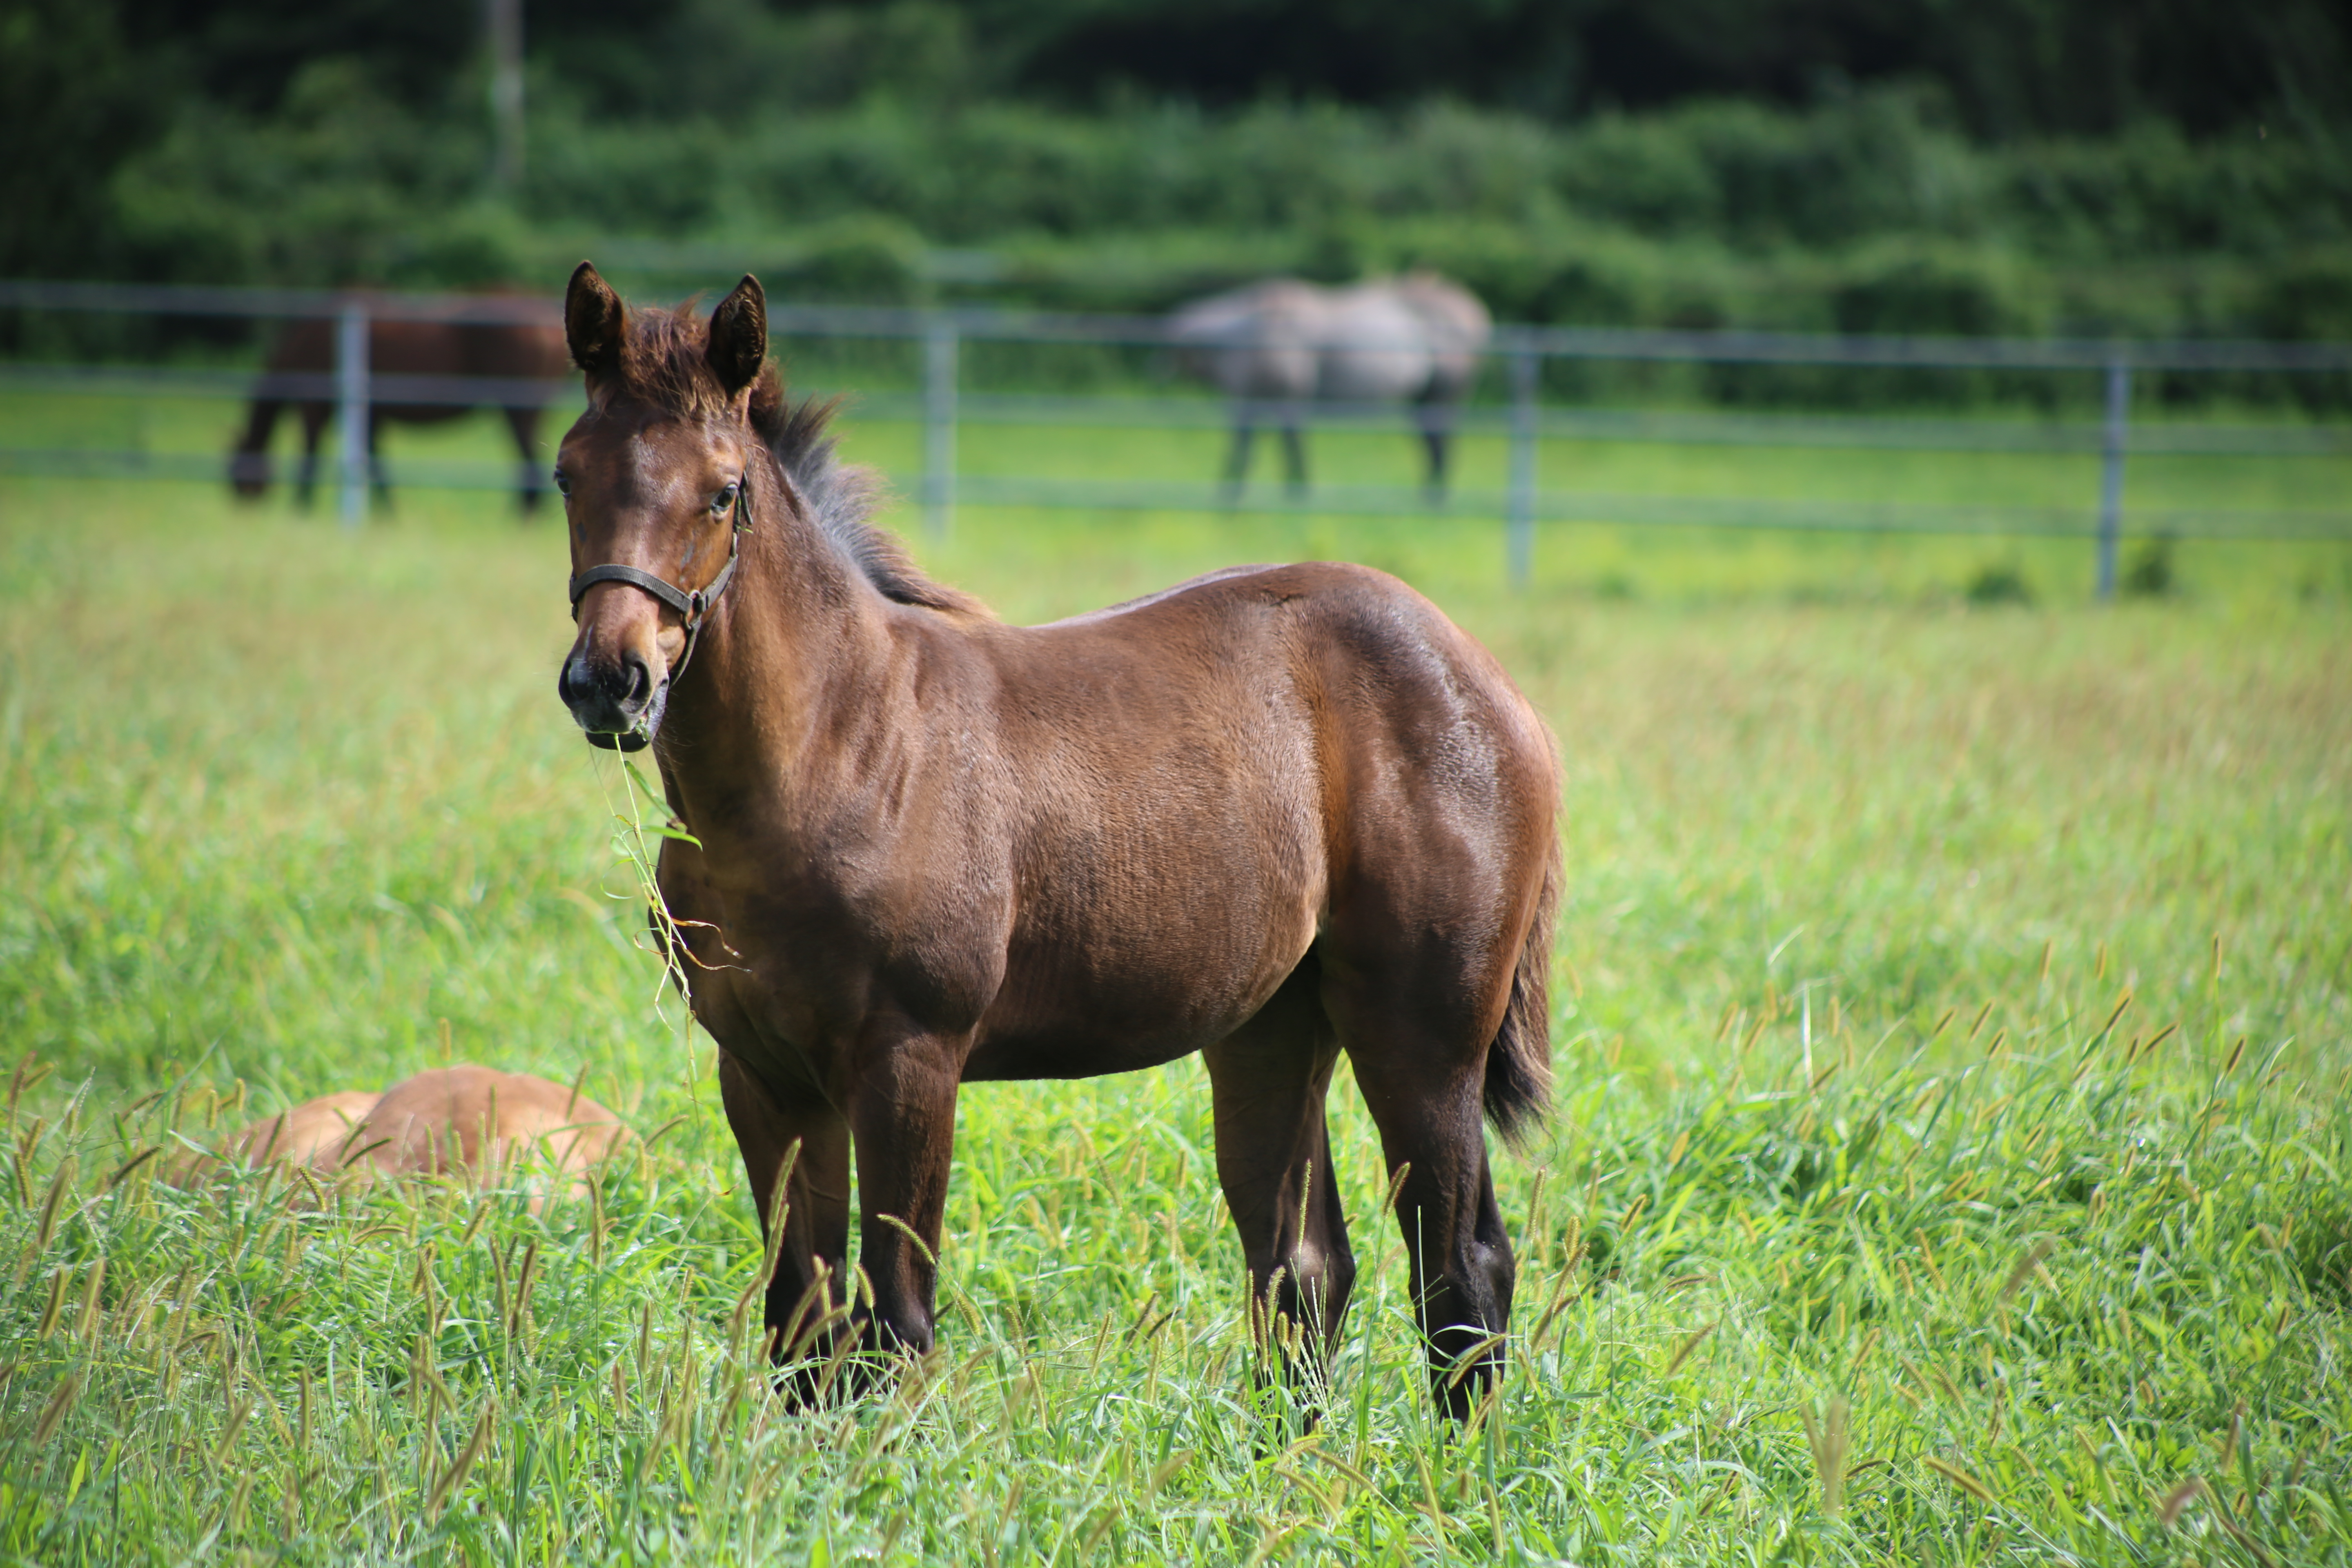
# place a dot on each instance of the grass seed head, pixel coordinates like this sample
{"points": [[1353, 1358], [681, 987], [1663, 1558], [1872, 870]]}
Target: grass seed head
{"points": [[55, 1309], [62, 1402], [1959, 1477], [92, 1299], [240, 1410], [53, 1202], [454, 1474], [1827, 1438], [1691, 1343], [2027, 1262]]}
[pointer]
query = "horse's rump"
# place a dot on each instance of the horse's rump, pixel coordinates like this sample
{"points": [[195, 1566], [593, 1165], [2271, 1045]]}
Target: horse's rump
{"points": [[1374, 346]]}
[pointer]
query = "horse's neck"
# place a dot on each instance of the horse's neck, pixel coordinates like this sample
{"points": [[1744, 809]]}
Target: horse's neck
{"points": [[799, 632]]}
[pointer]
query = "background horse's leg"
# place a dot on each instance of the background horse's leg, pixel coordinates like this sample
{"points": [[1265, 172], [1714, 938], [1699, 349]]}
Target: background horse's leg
{"points": [[1267, 1081], [811, 1277], [314, 423], [1237, 457], [248, 465], [1435, 420], [524, 422], [1423, 1091], [375, 461], [1293, 451]]}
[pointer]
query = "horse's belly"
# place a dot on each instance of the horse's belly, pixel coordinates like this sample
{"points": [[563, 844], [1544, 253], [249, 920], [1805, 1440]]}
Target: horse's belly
{"points": [[1087, 1031], [997, 1060], [1141, 980]]}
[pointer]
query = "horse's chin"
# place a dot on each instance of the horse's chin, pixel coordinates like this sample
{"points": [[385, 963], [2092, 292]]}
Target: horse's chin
{"points": [[648, 725]]}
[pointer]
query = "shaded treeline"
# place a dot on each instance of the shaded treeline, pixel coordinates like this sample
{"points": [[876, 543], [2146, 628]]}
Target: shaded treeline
{"points": [[2025, 165], [2013, 67]]}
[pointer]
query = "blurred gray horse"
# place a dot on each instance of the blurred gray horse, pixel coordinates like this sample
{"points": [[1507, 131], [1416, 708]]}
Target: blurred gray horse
{"points": [[1272, 346]]}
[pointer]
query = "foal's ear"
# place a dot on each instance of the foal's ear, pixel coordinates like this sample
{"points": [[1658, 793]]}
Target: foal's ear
{"points": [[592, 320], [738, 335]]}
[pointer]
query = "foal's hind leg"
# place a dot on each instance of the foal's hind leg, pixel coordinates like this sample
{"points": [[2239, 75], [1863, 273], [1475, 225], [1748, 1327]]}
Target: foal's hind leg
{"points": [[1274, 1159], [1422, 1083]]}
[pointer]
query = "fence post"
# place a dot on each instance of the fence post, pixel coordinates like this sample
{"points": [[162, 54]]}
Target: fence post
{"points": [[938, 422], [351, 410], [1521, 524], [2111, 471]]}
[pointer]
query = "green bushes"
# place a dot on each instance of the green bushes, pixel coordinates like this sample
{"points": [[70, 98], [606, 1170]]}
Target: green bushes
{"points": [[2307, 295], [838, 146], [1757, 180], [1871, 213], [343, 184], [1909, 287], [1763, 178], [2154, 191]]}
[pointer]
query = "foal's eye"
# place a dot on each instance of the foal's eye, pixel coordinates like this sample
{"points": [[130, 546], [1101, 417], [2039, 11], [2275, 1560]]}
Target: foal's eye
{"points": [[723, 500], [563, 483]]}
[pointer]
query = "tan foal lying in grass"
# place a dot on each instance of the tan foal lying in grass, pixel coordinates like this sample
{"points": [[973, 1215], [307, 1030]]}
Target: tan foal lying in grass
{"points": [[463, 1121]]}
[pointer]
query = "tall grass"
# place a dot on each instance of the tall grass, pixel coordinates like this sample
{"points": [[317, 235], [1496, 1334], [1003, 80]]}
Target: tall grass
{"points": [[1951, 1030]]}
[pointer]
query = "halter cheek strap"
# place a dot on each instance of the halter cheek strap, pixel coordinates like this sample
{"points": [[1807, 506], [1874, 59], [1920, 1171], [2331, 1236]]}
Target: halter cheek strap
{"points": [[693, 609]]}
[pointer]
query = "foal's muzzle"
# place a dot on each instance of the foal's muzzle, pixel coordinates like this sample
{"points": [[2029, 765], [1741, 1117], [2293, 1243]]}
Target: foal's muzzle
{"points": [[617, 702]]}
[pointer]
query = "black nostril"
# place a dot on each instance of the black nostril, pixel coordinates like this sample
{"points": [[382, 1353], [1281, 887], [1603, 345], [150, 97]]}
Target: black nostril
{"points": [[575, 680], [606, 696], [641, 682]]}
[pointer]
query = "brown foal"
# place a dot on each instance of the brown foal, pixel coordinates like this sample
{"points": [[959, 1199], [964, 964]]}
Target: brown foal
{"points": [[1270, 815]]}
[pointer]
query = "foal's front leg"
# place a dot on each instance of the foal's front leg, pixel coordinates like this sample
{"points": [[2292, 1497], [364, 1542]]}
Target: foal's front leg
{"points": [[902, 1113], [808, 1287]]}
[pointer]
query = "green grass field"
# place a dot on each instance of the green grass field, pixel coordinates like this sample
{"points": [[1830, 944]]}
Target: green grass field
{"points": [[1953, 1026]]}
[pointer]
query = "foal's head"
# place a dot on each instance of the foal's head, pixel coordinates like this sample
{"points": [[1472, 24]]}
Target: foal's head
{"points": [[654, 479]]}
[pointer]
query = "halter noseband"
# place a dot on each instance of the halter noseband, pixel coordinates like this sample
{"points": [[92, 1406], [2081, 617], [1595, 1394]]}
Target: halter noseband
{"points": [[693, 609]]}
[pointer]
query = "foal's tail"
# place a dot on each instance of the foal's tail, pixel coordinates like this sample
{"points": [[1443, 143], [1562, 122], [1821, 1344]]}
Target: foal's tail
{"points": [[1518, 1065]]}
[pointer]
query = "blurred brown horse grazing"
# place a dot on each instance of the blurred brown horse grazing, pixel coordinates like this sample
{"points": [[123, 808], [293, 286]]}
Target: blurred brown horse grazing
{"points": [[307, 350], [1270, 815]]}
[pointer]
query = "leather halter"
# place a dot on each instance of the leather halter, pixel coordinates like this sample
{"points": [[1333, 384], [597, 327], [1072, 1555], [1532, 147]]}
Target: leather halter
{"points": [[693, 609]]}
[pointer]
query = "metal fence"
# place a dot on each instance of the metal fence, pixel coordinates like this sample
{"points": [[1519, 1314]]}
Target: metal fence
{"points": [[1522, 418]]}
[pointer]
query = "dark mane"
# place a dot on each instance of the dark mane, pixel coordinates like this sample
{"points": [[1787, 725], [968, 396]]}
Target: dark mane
{"points": [[663, 362], [840, 497]]}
